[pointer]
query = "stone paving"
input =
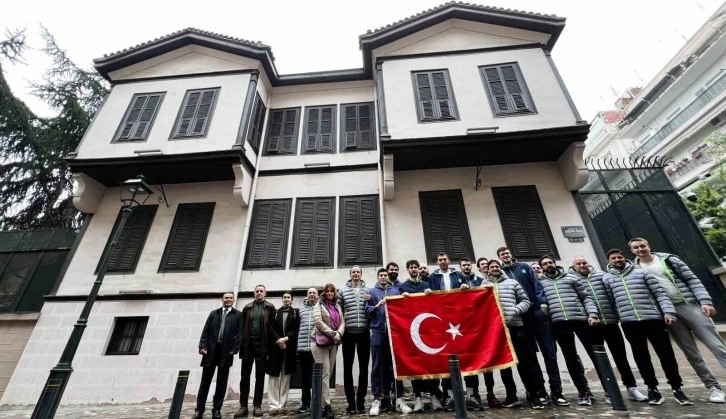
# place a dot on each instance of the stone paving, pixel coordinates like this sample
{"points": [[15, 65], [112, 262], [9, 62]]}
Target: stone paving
{"points": [[669, 409]]}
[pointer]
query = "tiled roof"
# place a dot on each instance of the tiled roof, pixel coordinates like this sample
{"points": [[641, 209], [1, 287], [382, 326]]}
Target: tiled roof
{"points": [[470, 6], [186, 31]]}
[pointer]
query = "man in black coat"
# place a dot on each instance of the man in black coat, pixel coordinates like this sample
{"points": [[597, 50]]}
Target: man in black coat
{"points": [[219, 342]]}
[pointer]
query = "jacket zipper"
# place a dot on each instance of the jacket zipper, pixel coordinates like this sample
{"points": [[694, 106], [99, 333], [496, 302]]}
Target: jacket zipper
{"points": [[627, 292], [670, 276], [562, 306]]}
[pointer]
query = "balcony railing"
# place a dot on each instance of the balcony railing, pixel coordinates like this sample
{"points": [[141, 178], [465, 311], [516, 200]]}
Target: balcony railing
{"points": [[683, 116], [683, 168]]}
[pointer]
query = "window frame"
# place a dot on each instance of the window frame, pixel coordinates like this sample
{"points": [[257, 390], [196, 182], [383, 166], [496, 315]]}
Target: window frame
{"points": [[257, 123], [107, 247], [248, 251], [177, 122], [134, 127], [543, 222], [461, 214], [318, 141], [449, 89], [341, 233], [526, 94], [163, 265], [116, 335], [294, 261], [342, 132], [268, 131]]}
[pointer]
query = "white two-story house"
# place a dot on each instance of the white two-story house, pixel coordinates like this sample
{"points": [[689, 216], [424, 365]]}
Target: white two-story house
{"points": [[457, 134]]}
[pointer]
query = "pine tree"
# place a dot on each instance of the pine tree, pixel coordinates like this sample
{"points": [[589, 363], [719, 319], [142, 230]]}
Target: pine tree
{"points": [[36, 186]]}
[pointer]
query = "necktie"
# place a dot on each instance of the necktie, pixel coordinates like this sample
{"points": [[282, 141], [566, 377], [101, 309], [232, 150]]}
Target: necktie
{"points": [[221, 327]]}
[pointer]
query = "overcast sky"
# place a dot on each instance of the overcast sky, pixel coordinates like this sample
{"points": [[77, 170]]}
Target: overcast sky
{"points": [[606, 45]]}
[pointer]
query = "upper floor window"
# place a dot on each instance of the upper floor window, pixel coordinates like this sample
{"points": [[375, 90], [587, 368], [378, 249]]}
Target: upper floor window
{"points": [[195, 115], [185, 246], [508, 93], [258, 118], [357, 131], [319, 129], [139, 117], [434, 96], [125, 254], [282, 131]]}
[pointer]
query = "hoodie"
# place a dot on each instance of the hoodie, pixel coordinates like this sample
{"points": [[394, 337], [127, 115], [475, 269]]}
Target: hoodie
{"points": [[377, 315], [437, 279]]}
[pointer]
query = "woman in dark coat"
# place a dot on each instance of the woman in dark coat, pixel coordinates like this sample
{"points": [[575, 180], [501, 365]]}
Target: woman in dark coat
{"points": [[283, 346]]}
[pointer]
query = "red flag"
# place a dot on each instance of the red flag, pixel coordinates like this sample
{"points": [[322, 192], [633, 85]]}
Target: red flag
{"points": [[426, 329]]}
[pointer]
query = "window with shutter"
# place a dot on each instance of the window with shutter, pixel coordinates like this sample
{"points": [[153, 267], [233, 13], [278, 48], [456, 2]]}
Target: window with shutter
{"points": [[139, 117], [195, 114], [508, 93], [258, 119], [282, 131], [357, 130], [319, 133], [434, 96], [524, 223], [314, 232], [359, 241], [127, 336], [267, 242], [187, 238], [445, 225], [125, 254]]}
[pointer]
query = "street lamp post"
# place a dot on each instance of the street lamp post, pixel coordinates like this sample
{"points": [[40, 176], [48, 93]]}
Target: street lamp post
{"points": [[134, 192]]}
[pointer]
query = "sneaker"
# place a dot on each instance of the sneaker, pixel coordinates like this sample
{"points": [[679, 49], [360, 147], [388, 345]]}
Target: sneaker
{"points": [[559, 399], [449, 405], [583, 399], [654, 397], [492, 400], [716, 395], [436, 404], [635, 395], [401, 406], [474, 404], [681, 398], [303, 408], [545, 398], [511, 401], [607, 398], [375, 408], [418, 406], [274, 411], [537, 404], [386, 405], [591, 396]]}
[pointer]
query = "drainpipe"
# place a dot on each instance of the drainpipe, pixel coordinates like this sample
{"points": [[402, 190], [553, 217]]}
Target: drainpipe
{"points": [[384, 247]]}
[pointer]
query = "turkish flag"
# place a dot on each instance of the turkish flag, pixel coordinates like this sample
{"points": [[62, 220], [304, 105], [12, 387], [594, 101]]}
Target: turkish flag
{"points": [[426, 329]]}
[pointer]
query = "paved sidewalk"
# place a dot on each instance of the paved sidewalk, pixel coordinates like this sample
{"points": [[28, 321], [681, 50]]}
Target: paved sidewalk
{"points": [[669, 409]]}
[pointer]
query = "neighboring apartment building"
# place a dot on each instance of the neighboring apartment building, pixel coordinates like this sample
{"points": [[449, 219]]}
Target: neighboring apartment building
{"points": [[675, 112], [456, 135]]}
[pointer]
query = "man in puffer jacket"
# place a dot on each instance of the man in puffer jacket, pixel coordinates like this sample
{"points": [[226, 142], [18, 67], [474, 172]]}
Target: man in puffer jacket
{"points": [[571, 313], [352, 302], [694, 310], [607, 330], [514, 303], [304, 346], [634, 293]]}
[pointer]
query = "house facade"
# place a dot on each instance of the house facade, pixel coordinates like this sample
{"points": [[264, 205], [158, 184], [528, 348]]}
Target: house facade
{"points": [[457, 134]]}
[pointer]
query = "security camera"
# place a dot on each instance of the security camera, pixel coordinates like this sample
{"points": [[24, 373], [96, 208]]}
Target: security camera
{"points": [[704, 175], [691, 197]]}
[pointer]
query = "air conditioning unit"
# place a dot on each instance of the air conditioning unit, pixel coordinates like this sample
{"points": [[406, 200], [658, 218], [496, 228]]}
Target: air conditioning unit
{"points": [[719, 119]]}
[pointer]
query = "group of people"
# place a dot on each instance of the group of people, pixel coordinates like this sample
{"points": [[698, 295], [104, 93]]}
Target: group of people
{"points": [[652, 298]]}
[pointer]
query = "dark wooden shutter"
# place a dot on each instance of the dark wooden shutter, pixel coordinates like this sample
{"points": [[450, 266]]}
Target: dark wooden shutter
{"points": [[507, 92], [314, 232], [435, 101], [258, 119], [267, 243], [357, 131], [282, 132], [187, 238], [524, 223], [445, 225], [139, 117], [319, 129], [196, 113], [125, 255], [360, 233], [128, 335]]}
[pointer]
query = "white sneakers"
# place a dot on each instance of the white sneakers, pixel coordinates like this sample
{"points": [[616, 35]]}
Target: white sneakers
{"points": [[402, 407], [715, 395], [635, 395], [375, 408], [436, 404], [418, 406]]}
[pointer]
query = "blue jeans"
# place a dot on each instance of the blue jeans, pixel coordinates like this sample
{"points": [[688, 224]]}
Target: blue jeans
{"points": [[538, 324]]}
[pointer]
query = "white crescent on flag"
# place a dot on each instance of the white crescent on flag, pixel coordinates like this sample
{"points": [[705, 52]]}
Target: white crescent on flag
{"points": [[416, 337]]}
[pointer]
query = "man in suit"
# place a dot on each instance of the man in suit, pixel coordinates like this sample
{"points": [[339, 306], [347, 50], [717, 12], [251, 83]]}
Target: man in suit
{"points": [[219, 342]]}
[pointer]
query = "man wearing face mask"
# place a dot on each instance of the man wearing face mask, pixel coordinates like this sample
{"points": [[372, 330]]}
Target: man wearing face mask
{"points": [[357, 335], [304, 348]]}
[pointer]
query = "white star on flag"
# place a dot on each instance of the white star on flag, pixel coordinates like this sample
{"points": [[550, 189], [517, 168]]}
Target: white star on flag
{"points": [[454, 330]]}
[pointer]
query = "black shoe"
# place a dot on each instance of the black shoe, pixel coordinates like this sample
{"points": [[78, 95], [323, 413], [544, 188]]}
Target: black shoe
{"points": [[681, 398], [654, 397], [511, 401], [361, 407], [242, 412], [591, 396], [351, 409], [537, 404], [257, 411], [328, 412], [449, 405], [545, 398], [473, 404], [492, 401], [303, 408], [559, 399], [198, 414], [386, 405], [216, 414]]}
